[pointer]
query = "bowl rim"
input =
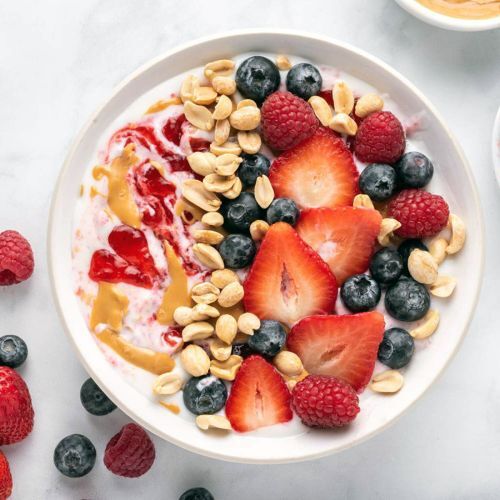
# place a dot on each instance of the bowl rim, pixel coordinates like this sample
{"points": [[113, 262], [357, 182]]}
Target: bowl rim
{"points": [[495, 145], [448, 22], [52, 241]]}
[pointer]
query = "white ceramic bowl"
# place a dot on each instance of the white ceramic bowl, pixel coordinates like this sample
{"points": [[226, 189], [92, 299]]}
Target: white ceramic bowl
{"points": [[455, 182], [447, 22], [495, 146]]}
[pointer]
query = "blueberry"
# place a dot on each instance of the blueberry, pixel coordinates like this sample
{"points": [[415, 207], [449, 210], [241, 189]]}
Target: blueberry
{"points": [[74, 456], [304, 80], [378, 181], [257, 77], [252, 167], [204, 395], [414, 170], [197, 494], [360, 293], [269, 338], [406, 248], [13, 351], [94, 400], [237, 251], [241, 212], [283, 210], [243, 350], [407, 300], [396, 348], [386, 266]]}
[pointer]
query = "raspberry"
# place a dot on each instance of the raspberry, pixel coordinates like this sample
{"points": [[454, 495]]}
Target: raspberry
{"points": [[322, 401], [16, 411], [380, 139], [420, 213], [16, 258], [287, 120], [5, 477], [130, 453]]}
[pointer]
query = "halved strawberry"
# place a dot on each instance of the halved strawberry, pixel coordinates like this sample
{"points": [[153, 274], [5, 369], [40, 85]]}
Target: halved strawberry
{"points": [[344, 237], [340, 346], [259, 397], [288, 280], [319, 172]]}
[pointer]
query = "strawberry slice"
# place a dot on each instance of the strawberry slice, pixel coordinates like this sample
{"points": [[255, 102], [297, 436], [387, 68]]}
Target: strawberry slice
{"points": [[288, 280], [319, 172], [344, 237], [259, 397], [340, 346]]}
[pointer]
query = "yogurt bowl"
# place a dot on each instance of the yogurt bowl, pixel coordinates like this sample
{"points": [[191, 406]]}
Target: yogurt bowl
{"points": [[435, 15], [289, 442]]}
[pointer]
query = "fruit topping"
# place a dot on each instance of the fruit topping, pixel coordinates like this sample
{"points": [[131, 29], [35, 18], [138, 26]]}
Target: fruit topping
{"points": [[288, 280], [283, 210], [196, 494], [287, 120], [237, 251], [319, 172], [343, 237], [339, 346], [16, 411], [5, 477], [325, 402], [94, 400], [407, 300], [269, 339], [150, 182], [204, 395], [396, 348], [406, 248], [360, 293], [13, 351], [257, 77], [304, 80], [378, 181], [259, 397], [420, 213], [386, 266], [241, 212], [173, 128], [16, 258], [252, 167], [75, 456], [130, 453], [380, 139], [414, 170]]}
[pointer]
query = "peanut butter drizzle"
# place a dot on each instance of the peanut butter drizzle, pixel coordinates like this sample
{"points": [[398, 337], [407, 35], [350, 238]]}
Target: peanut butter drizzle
{"points": [[163, 104], [110, 306], [120, 199], [464, 9], [169, 406], [177, 294], [93, 192]]}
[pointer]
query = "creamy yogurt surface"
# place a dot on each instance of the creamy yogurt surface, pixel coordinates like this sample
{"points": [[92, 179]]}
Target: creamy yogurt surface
{"points": [[149, 337]]}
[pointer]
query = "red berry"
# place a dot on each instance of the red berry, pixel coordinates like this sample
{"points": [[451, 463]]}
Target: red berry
{"points": [[380, 139], [130, 453], [16, 258], [322, 401], [287, 120], [420, 213], [5, 478], [16, 411]]}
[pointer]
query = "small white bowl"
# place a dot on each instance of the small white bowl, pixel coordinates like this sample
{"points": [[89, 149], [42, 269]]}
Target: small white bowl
{"points": [[277, 444], [447, 22], [495, 146]]}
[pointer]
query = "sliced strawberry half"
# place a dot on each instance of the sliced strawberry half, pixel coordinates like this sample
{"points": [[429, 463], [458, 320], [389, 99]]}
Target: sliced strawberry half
{"points": [[319, 172], [340, 346], [343, 237], [288, 280], [259, 397]]}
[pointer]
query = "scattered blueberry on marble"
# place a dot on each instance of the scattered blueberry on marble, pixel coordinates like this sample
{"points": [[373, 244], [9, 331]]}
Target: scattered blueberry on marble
{"points": [[196, 494], [94, 400], [13, 351], [75, 456]]}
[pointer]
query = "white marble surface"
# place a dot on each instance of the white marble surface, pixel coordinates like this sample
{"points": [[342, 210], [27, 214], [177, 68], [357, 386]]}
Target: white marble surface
{"points": [[58, 61]]}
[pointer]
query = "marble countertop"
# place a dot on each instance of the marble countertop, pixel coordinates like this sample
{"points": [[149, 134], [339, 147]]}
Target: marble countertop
{"points": [[58, 61]]}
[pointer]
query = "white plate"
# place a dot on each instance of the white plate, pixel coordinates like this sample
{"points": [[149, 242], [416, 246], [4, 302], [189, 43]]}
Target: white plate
{"points": [[275, 444], [448, 22], [495, 146]]}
